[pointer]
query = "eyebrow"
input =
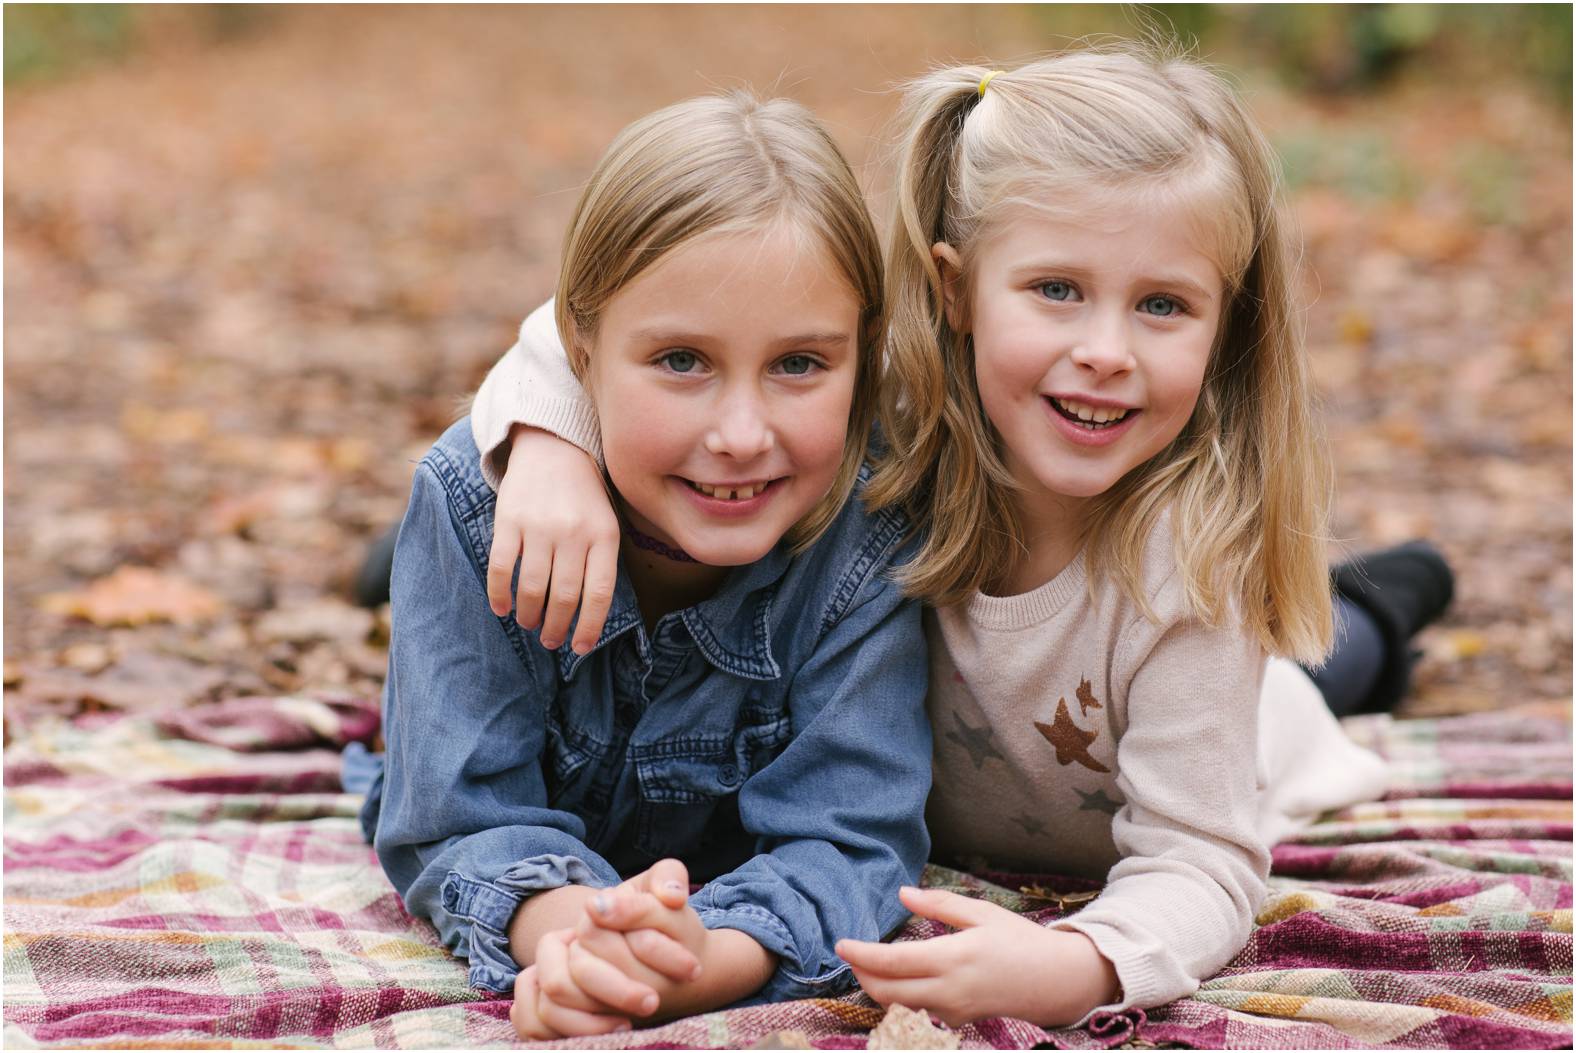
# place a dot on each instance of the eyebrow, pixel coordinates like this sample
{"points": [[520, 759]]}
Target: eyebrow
{"points": [[675, 336], [1175, 281]]}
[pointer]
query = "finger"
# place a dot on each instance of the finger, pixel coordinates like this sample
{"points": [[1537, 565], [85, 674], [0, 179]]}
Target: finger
{"points": [[527, 1024], [668, 880], [627, 911], [908, 960], [916, 993], [500, 567], [536, 565], [569, 567], [609, 986], [949, 908], [664, 955], [596, 596], [553, 976], [568, 1022]]}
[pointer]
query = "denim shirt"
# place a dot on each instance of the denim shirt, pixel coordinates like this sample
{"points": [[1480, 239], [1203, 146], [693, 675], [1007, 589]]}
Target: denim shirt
{"points": [[773, 737]]}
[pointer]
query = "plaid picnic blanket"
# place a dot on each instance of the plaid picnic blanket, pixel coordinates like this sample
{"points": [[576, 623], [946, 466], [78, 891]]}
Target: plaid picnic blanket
{"points": [[201, 881]]}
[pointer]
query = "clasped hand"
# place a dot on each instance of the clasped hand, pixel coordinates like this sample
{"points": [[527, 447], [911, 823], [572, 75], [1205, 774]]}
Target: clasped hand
{"points": [[634, 946]]}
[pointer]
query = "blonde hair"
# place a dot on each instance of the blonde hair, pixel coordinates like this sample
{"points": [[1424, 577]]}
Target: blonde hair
{"points": [[722, 164], [1247, 481]]}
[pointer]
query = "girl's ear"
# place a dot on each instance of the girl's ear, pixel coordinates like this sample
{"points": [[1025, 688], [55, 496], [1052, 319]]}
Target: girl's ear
{"points": [[951, 266]]}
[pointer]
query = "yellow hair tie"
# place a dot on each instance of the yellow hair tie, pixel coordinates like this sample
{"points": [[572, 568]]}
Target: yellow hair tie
{"points": [[985, 82]]}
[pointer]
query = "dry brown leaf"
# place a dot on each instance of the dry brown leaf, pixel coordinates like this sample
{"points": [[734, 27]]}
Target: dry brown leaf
{"points": [[136, 596], [905, 1028]]}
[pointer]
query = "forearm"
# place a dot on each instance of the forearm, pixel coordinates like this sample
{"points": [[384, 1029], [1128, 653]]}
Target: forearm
{"points": [[559, 908], [733, 966]]}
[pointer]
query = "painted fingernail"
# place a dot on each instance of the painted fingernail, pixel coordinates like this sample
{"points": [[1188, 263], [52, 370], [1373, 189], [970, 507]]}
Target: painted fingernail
{"points": [[648, 1005], [601, 905]]}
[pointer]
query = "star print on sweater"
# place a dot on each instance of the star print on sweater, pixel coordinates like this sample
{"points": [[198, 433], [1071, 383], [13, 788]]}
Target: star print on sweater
{"points": [[1071, 741], [1031, 826], [1098, 802], [976, 740], [1086, 699]]}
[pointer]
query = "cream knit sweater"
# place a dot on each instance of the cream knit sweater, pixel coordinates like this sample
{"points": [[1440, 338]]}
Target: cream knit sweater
{"points": [[1075, 735]]}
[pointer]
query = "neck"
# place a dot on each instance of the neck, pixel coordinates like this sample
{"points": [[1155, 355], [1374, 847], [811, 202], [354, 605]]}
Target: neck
{"points": [[664, 578], [1053, 535]]}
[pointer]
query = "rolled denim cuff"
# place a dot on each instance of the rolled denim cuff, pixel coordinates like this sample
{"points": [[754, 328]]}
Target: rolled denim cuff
{"points": [[489, 905], [786, 983]]}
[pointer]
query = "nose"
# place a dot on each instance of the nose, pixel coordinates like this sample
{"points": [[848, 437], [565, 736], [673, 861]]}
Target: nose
{"points": [[1104, 348], [741, 430]]}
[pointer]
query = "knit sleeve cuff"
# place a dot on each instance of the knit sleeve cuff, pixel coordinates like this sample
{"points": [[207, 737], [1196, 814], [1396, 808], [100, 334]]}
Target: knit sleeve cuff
{"points": [[573, 421], [1141, 985]]}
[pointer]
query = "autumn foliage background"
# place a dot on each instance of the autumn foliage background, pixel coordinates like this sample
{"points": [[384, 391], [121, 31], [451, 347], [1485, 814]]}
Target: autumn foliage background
{"points": [[255, 257]]}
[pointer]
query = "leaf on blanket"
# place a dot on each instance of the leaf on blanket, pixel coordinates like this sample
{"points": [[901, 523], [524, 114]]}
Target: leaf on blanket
{"points": [[905, 1028], [136, 596]]}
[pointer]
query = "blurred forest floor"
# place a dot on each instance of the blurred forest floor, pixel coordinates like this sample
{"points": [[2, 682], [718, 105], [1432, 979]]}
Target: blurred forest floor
{"points": [[252, 273]]}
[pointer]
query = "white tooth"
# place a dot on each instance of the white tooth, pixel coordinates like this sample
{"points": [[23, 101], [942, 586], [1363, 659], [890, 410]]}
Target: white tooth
{"points": [[1085, 413], [1099, 416]]}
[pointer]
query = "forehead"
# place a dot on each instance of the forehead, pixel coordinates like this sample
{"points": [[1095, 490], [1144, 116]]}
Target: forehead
{"points": [[737, 283], [1196, 214], [1139, 240]]}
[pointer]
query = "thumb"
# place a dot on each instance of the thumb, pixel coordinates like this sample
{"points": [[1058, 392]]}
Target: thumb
{"points": [[668, 880], [949, 908]]}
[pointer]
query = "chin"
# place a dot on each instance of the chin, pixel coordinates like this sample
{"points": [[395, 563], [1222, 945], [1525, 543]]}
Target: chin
{"points": [[729, 554]]}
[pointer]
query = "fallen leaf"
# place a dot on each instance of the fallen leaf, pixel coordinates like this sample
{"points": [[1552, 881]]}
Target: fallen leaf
{"points": [[332, 620], [136, 596], [905, 1028]]}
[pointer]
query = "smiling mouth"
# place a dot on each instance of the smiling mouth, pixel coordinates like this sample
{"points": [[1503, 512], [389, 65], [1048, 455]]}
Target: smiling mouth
{"points": [[1092, 418], [731, 491]]}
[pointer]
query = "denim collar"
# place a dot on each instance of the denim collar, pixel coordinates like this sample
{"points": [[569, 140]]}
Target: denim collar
{"points": [[731, 629]]}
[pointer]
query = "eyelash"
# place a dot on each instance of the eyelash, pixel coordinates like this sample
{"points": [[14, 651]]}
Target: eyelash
{"points": [[1180, 305], [662, 362]]}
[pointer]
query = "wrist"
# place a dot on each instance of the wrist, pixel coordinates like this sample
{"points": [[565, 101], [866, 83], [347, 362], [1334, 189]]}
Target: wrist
{"points": [[733, 966], [541, 913], [1087, 979]]}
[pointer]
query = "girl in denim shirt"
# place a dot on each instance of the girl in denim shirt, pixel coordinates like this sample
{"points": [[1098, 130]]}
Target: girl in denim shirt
{"points": [[751, 715]]}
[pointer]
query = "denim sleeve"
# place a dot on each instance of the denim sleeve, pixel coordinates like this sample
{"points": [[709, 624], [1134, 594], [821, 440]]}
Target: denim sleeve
{"points": [[840, 813], [465, 832]]}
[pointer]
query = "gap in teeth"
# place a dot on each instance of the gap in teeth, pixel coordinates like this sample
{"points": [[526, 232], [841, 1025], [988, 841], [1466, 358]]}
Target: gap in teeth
{"points": [[1089, 415], [726, 493]]}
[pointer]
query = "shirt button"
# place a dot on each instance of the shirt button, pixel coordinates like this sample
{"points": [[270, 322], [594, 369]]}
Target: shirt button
{"points": [[729, 774]]}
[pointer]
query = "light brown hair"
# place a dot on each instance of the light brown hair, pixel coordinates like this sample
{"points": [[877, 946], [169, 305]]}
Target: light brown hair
{"points": [[715, 164], [1247, 482]]}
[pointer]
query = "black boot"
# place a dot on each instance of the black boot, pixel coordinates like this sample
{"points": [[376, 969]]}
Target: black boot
{"points": [[372, 583], [1403, 588]]}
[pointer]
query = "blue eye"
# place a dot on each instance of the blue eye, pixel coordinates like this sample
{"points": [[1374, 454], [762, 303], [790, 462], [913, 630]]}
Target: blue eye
{"points": [[1058, 291], [680, 361], [798, 365], [1161, 306]]}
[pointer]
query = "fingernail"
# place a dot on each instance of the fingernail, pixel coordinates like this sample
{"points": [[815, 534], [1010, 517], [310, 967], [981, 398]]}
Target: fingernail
{"points": [[648, 1005], [695, 973], [674, 886], [623, 1025], [551, 645], [601, 905]]}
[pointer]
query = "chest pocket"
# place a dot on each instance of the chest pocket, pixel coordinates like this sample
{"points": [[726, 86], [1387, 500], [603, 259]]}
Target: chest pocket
{"points": [[568, 767], [690, 794]]}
